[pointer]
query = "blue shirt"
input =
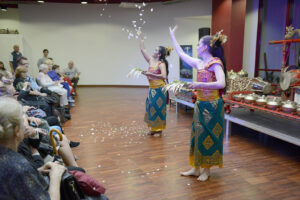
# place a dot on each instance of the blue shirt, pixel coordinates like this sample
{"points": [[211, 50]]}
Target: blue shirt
{"points": [[33, 84], [53, 75]]}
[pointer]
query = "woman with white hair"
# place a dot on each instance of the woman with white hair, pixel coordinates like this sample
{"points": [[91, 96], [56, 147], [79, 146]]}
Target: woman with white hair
{"points": [[44, 80], [19, 180]]}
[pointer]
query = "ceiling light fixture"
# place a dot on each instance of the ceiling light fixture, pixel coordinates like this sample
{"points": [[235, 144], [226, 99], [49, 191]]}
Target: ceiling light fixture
{"points": [[4, 8], [84, 2], [41, 1]]}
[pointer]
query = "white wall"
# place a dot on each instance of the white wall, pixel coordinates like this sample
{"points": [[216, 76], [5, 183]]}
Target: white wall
{"points": [[10, 19], [250, 36], [97, 44]]}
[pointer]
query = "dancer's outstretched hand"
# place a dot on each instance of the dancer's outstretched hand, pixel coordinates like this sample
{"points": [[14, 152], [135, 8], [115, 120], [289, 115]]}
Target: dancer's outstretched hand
{"points": [[192, 85], [146, 73], [139, 32], [173, 30]]}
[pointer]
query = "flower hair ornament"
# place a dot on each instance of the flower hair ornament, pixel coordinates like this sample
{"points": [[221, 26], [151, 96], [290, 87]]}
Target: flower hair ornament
{"points": [[289, 29], [168, 50], [218, 37]]}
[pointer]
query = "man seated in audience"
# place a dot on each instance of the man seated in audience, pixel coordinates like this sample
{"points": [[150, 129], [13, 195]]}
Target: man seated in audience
{"points": [[72, 73], [23, 62], [44, 58], [14, 57]]}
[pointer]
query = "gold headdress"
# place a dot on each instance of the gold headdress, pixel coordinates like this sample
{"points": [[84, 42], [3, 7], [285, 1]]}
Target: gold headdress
{"points": [[289, 29], [218, 37], [168, 50]]}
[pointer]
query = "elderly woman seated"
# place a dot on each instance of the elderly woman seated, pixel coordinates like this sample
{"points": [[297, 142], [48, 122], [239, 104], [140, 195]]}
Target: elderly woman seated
{"points": [[21, 79], [45, 81], [27, 95], [19, 180]]}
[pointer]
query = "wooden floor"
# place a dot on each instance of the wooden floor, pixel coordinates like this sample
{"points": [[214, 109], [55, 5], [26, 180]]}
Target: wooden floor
{"points": [[133, 166]]}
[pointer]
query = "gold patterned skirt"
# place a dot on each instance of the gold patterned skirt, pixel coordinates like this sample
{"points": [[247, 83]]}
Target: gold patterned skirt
{"points": [[155, 115], [207, 134]]}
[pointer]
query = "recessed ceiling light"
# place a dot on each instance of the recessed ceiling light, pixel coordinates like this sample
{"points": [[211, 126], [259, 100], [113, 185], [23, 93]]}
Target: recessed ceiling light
{"points": [[84, 2], [41, 1], [4, 8]]}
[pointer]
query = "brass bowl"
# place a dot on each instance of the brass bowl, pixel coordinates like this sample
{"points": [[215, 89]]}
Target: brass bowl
{"points": [[298, 111], [288, 107], [261, 103], [238, 97], [272, 105], [250, 99], [288, 110]]}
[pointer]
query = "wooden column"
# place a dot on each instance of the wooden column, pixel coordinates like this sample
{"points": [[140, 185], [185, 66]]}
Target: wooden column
{"points": [[229, 15]]}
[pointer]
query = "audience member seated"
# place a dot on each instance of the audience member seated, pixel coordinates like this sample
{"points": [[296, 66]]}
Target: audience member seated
{"points": [[22, 173], [72, 73], [8, 76], [19, 180], [45, 81], [23, 61], [62, 76], [52, 73], [31, 97]]}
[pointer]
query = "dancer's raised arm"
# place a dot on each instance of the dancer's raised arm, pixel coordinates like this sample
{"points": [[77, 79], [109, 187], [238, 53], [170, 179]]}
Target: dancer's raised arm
{"points": [[183, 56], [142, 46]]}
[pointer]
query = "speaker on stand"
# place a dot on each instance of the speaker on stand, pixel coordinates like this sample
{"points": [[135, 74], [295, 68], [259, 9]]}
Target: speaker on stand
{"points": [[203, 32]]}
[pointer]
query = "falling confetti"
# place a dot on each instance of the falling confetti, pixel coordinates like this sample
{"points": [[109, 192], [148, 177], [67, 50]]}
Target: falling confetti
{"points": [[151, 9]]}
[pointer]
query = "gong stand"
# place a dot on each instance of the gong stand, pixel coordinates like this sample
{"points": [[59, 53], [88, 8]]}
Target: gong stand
{"points": [[286, 44]]}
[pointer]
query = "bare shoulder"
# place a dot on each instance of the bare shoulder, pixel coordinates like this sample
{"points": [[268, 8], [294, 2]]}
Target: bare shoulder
{"points": [[216, 67]]}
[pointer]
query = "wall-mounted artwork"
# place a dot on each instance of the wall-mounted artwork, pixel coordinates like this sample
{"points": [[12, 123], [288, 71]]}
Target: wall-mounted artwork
{"points": [[186, 71]]}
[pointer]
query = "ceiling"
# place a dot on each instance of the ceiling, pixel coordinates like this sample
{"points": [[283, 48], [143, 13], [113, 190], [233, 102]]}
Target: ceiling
{"points": [[14, 3]]}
